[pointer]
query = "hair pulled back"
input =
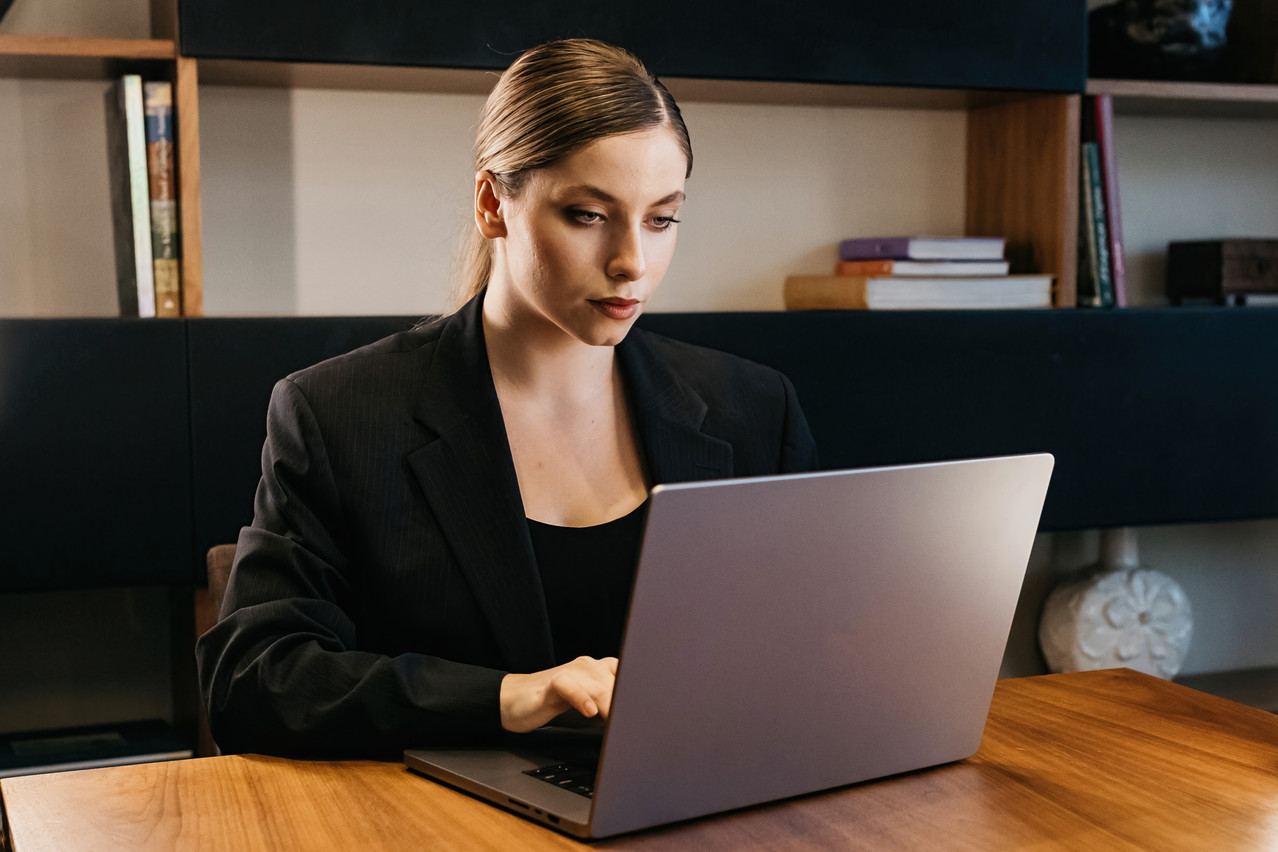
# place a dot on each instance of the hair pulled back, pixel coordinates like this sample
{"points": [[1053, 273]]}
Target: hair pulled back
{"points": [[555, 99]]}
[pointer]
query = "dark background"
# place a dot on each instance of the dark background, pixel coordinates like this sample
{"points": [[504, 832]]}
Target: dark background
{"points": [[1009, 44]]}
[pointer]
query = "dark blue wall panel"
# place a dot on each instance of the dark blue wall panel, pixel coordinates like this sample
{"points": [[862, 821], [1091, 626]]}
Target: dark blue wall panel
{"points": [[1008, 44], [1155, 416], [95, 465], [128, 447]]}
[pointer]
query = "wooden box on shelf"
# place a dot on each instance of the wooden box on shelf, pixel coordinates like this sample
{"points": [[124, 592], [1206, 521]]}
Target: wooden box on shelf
{"points": [[1221, 269]]}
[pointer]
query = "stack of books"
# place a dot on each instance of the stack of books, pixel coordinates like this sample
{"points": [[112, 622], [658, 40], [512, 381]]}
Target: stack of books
{"points": [[144, 210], [919, 273]]}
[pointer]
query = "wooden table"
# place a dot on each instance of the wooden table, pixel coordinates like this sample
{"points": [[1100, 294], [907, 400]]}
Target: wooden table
{"points": [[1095, 760]]}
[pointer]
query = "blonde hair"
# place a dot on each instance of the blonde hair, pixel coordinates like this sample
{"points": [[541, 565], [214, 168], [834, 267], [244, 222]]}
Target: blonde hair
{"points": [[554, 100]]}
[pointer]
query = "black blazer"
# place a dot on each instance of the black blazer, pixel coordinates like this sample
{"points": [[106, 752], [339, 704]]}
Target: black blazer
{"points": [[388, 582]]}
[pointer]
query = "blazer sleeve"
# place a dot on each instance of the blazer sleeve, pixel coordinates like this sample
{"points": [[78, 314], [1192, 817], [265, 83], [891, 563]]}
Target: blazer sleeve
{"points": [[798, 448], [282, 671]]}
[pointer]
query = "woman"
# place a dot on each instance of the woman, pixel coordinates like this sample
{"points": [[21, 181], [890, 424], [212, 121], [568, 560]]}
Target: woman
{"points": [[446, 528]]}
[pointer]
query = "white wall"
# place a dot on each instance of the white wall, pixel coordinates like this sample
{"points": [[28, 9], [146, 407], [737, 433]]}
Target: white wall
{"points": [[355, 202], [1191, 179], [1229, 572], [56, 250], [99, 18]]}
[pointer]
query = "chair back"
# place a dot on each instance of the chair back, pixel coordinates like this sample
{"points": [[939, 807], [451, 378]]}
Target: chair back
{"points": [[208, 603]]}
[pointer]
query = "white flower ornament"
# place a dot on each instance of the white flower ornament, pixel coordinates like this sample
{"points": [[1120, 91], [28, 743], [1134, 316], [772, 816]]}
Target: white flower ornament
{"points": [[1131, 617]]}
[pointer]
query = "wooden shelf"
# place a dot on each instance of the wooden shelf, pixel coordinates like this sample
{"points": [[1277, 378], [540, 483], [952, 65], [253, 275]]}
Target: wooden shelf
{"points": [[400, 78], [68, 58], [1210, 100]]}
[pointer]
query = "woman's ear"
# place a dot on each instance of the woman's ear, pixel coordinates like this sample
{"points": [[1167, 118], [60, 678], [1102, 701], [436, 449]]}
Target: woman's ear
{"points": [[489, 216]]}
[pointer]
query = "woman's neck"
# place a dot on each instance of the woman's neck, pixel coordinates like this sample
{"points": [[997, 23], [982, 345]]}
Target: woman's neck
{"points": [[541, 360]]}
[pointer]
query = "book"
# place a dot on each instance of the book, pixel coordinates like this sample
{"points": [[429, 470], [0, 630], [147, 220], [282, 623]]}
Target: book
{"points": [[921, 267], [869, 292], [130, 202], [1096, 233], [1088, 291], [1103, 131], [158, 103], [923, 248]]}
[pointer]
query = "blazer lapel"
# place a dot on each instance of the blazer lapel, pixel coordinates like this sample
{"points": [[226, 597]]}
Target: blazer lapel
{"points": [[468, 477], [669, 415]]}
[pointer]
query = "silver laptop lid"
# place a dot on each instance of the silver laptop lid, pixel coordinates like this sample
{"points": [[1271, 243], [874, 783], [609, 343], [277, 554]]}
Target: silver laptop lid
{"points": [[794, 633]]}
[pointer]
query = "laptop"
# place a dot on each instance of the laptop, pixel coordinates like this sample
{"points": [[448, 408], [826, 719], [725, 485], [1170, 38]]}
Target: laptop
{"points": [[786, 634]]}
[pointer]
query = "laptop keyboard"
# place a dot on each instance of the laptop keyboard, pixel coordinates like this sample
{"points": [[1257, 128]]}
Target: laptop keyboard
{"points": [[574, 777]]}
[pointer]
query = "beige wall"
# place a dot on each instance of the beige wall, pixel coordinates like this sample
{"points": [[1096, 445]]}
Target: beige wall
{"points": [[372, 193], [1192, 179]]}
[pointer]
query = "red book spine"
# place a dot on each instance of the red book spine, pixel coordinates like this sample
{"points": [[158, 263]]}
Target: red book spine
{"points": [[1103, 106]]}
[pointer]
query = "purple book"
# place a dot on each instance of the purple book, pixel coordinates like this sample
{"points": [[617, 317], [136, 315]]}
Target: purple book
{"points": [[923, 248]]}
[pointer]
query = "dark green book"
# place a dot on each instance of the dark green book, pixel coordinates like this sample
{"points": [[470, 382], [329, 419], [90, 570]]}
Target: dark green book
{"points": [[1097, 234]]}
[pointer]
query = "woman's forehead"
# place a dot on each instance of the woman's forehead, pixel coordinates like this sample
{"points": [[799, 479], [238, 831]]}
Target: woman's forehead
{"points": [[649, 162]]}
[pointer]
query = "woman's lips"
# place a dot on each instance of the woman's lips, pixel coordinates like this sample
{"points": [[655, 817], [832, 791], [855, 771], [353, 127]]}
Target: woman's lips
{"points": [[618, 309]]}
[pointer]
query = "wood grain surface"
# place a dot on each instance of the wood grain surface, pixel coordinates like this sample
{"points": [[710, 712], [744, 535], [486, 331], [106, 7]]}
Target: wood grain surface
{"points": [[1094, 760], [1022, 184], [186, 101]]}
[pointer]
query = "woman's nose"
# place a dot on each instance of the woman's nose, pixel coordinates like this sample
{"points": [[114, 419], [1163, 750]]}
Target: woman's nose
{"points": [[627, 261]]}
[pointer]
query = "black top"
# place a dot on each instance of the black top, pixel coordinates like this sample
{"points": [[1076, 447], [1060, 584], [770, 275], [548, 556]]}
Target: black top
{"points": [[586, 574]]}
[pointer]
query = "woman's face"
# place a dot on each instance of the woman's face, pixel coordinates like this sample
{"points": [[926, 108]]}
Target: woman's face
{"points": [[585, 244]]}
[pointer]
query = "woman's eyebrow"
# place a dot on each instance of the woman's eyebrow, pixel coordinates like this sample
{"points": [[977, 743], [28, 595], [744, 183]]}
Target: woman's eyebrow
{"points": [[676, 197]]}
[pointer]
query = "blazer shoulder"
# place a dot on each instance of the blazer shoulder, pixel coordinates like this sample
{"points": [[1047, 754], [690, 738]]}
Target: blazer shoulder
{"points": [[713, 373], [386, 359]]}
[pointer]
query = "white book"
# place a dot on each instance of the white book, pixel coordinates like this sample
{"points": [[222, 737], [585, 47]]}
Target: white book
{"points": [[130, 197], [837, 292]]}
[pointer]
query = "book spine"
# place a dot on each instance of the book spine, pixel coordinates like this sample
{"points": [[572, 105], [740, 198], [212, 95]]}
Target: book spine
{"points": [[130, 209], [868, 248], [1104, 281], [825, 292], [864, 267], [1103, 107], [1088, 286], [163, 198]]}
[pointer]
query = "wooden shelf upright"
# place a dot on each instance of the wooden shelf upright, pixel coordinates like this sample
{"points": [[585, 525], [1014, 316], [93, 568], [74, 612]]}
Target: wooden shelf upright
{"points": [[1022, 183]]}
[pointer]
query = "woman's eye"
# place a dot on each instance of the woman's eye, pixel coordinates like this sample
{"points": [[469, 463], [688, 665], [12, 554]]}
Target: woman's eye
{"points": [[585, 217], [663, 223]]}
